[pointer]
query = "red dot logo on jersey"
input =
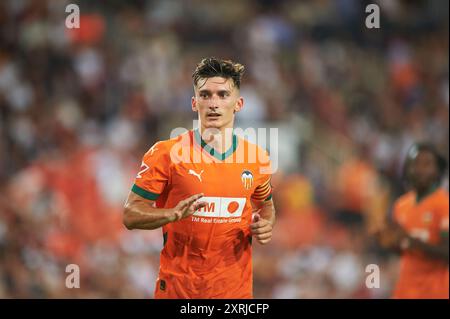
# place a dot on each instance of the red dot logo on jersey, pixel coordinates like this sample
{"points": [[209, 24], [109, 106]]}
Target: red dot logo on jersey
{"points": [[233, 207], [247, 179]]}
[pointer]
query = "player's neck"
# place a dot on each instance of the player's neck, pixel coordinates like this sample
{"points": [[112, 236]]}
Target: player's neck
{"points": [[423, 192], [221, 141]]}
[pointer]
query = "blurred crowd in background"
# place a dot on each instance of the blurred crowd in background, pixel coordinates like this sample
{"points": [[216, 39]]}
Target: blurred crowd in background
{"points": [[80, 107]]}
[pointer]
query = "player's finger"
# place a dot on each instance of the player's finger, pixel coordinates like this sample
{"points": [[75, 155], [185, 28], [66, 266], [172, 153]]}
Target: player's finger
{"points": [[263, 236], [182, 204], [259, 224], [193, 198], [185, 203], [256, 225], [264, 241], [197, 196], [261, 230], [194, 207], [198, 205]]}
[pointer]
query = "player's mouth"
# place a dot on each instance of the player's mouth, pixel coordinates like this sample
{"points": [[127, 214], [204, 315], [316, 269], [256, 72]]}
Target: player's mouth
{"points": [[213, 116]]}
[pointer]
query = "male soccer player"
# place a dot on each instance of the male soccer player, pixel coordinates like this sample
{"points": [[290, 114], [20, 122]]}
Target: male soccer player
{"points": [[420, 228], [203, 188]]}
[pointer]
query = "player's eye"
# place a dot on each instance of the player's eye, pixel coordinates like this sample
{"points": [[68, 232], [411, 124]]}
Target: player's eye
{"points": [[224, 94], [204, 95]]}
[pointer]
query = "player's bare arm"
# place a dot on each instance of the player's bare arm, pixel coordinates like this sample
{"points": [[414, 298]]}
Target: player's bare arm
{"points": [[437, 251], [263, 222], [141, 213], [394, 237], [389, 236]]}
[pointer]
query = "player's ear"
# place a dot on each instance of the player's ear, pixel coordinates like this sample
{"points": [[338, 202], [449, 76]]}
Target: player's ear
{"points": [[194, 104], [239, 104]]}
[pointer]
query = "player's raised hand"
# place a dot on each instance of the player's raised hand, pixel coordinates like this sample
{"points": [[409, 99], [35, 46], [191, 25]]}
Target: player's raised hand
{"points": [[391, 235], [188, 206], [261, 229]]}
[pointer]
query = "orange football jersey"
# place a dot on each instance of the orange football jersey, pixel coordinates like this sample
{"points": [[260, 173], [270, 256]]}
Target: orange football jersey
{"points": [[422, 276], [207, 255]]}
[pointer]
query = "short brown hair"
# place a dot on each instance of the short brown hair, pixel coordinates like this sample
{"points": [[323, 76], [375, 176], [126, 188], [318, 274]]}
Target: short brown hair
{"points": [[211, 67]]}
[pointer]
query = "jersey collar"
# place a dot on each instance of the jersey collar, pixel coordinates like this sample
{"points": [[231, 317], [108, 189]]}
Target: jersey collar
{"points": [[431, 190], [220, 156]]}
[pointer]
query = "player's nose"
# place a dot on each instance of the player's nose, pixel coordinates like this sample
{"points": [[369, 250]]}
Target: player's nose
{"points": [[213, 106], [213, 102]]}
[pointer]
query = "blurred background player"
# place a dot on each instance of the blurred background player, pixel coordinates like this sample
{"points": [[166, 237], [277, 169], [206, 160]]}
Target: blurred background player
{"points": [[204, 199], [419, 230]]}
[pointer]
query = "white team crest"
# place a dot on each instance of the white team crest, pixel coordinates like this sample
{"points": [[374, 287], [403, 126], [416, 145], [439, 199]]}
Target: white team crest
{"points": [[247, 179], [199, 175]]}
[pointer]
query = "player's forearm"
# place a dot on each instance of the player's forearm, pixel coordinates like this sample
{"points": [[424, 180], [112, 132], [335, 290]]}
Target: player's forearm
{"points": [[387, 239], [146, 217], [440, 251]]}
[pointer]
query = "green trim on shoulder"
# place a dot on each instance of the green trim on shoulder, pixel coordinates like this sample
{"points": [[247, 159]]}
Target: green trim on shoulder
{"points": [[143, 193], [220, 156], [268, 198]]}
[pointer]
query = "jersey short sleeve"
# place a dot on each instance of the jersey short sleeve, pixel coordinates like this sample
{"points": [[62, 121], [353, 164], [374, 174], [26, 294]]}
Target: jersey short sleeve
{"points": [[263, 190], [154, 173]]}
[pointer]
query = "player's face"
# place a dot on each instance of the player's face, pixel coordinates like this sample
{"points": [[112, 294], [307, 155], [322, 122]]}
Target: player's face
{"points": [[216, 100], [423, 170]]}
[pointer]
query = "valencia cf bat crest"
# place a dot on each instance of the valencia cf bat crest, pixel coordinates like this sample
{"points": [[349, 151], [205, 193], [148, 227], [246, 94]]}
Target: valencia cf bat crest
{"points": [[247, 179]]}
